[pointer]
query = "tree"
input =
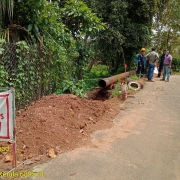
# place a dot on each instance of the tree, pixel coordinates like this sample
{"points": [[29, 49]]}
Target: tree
{"points": [[63, 29], [82, 24], [129, 29], [33, 22], [166, 26]]}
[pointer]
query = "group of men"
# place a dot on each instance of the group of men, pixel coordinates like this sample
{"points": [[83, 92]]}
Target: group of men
{"points": [[150, 61]]}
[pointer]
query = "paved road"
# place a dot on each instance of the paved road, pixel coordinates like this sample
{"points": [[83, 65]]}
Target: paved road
{"points": [[143, 144]]}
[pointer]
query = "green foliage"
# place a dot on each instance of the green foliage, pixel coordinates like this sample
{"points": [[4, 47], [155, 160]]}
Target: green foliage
{"points": [[27, 12], [59, 44], [133, 64], [2, 41], [1, 50], [116, 91], [75, 87], [133, 77], [57, 47], [97, 72], [62, 40], [3, 72], [82, 24], [129, 29], [27, 76], [176, 64], [31, 71], [80, 19], [166, 26], [82, 59], [3, 75], [52, 52]]}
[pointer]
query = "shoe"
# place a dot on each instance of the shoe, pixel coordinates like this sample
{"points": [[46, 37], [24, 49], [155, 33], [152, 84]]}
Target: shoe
{"points": [[167, 81], [162, 79], [150, 81]]}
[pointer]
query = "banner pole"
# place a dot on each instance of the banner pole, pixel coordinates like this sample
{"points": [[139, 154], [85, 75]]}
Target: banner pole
{"points": [[14, 129], [15, 159]]}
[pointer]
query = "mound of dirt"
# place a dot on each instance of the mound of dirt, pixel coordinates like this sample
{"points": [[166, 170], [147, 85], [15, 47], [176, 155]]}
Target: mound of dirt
{"points": [[56, 124]]}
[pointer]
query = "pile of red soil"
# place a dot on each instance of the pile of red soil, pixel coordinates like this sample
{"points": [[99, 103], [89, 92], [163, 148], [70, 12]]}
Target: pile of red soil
{"points": [[61, 122]]}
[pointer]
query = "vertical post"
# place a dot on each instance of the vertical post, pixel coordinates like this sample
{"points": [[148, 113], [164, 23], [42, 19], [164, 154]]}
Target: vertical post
{"points": [[125, 66], [14, 127]]}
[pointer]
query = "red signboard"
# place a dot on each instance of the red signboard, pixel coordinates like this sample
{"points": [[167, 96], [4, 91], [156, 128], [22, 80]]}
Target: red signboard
{"points": [[6, 116]]}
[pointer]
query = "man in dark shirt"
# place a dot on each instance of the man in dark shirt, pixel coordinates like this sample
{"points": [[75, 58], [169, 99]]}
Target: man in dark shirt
{"points": [[141, 63], [161, 63]]}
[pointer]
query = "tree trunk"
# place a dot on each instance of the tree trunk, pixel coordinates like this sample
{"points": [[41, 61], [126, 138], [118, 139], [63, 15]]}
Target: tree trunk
{"points": [[116, 63], [168, 38], [90, 66]]}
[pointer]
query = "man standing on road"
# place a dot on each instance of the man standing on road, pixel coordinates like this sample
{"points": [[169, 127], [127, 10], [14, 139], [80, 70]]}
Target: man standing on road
{"points": [[161, 63], [167, 66], [152, 58], [141, 63]]}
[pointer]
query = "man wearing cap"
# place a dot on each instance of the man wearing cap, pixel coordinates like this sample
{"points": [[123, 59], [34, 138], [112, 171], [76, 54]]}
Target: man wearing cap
{"points": [[141, 62], [152, 58]]}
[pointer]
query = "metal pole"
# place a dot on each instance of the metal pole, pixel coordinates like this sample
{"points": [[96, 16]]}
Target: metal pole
{"points": [[110, 80], [14, 126]]}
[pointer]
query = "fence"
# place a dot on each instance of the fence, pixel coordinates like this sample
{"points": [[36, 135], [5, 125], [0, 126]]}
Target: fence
{"points": [[27, 69]]}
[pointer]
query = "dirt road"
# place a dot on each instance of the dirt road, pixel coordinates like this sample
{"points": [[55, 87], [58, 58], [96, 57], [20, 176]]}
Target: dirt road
{"points": [[143, 144]]}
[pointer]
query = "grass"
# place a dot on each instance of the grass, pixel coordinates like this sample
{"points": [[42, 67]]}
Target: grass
{"points": [[175, 73], [133, 77], [116, 91]]}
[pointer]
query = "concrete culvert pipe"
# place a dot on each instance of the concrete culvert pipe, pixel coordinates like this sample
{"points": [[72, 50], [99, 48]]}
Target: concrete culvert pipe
{"points": [[134, 85]]}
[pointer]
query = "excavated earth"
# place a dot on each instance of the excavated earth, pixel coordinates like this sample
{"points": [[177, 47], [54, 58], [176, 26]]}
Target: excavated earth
{"points": [[58, 123]]}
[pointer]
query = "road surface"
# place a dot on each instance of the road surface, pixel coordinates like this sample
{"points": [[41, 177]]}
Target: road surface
{"points": [[143, 144]]}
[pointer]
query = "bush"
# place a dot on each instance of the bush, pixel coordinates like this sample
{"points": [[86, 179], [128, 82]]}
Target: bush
{"points": [[75, 87], [133, 77], [97, 72], [176, 63]]}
